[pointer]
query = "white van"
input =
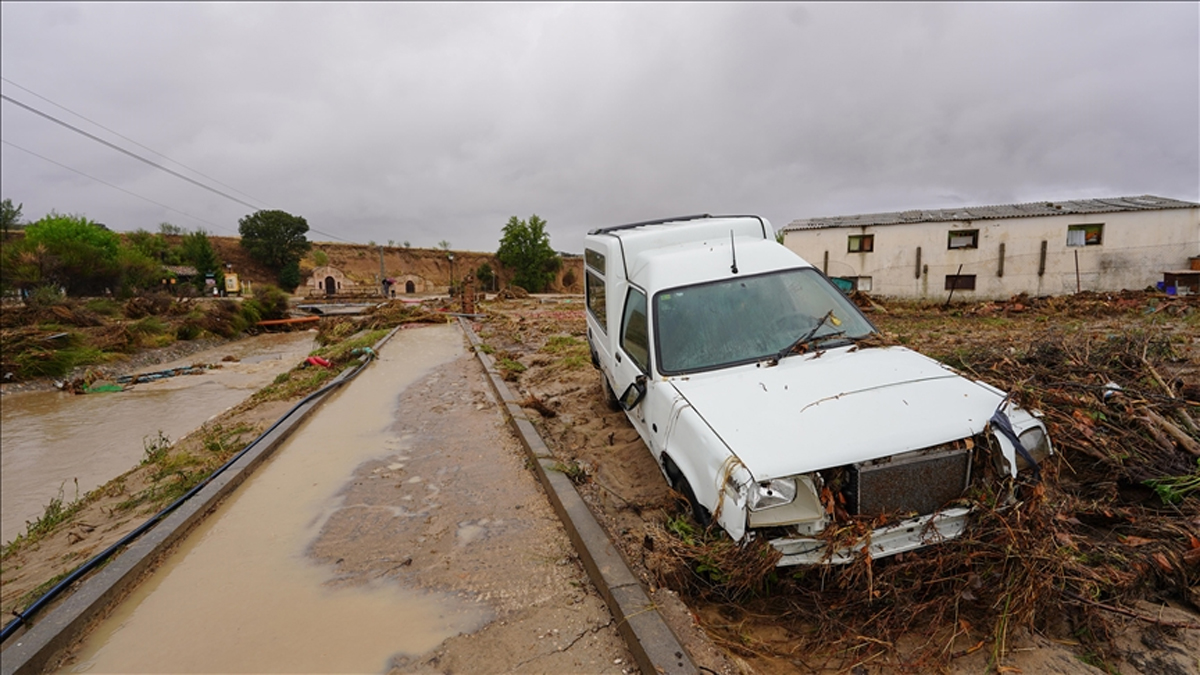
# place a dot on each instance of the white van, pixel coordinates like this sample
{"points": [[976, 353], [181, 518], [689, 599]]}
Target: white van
{"points": [[752, 380]]}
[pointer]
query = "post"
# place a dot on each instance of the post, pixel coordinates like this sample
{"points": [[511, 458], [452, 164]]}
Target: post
{"points": [[918, 274], [1000, 271], [825, 268], [953, 286], [1042, 260], [383, 285], [1078, 287], [450, 257]]}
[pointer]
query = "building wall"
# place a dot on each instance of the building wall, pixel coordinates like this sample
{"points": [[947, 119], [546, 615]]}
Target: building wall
{"points": [[1136, 248]]}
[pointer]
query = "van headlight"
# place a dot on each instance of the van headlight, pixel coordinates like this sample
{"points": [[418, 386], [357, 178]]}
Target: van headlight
{"points": [[1036, 443], [769, 493]]}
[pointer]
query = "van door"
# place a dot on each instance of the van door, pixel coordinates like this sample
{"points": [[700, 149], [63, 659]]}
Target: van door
{"points": [[632, 354]]}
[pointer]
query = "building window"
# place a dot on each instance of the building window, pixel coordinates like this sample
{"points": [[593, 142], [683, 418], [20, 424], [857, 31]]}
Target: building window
{"points": [[851, 284], [964, 239], [960, 282], [862, 243], [1085, 235]]}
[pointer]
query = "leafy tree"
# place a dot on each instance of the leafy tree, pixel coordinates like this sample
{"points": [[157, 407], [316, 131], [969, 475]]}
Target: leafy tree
{"points": [[10, 216], [486, 277], [82, 254], [320, 258], [289, 276], [198, 250], [525, 249], [276, 239], [444, 245], [167, 228], [150, 244]]}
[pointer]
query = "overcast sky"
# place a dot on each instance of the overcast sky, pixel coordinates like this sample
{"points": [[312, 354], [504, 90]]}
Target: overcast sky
{"points": [[431, 122]]}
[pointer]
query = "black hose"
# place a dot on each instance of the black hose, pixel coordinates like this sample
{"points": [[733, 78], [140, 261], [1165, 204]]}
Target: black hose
{"points": [[88, 566]]}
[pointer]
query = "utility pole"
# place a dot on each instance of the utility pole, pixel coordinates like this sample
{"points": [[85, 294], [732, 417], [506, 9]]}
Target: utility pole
{"points": [[383, 285]]}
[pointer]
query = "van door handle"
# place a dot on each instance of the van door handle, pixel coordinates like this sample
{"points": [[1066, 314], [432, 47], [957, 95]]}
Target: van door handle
{"points": [[618, 357]]}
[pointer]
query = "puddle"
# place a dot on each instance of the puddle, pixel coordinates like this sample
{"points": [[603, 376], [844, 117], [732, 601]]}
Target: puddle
{"points": [[241, 596], [52, 439]]}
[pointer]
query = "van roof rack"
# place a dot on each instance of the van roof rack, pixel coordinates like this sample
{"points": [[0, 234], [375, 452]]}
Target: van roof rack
{"points": [[677, 219], [660, 221]]}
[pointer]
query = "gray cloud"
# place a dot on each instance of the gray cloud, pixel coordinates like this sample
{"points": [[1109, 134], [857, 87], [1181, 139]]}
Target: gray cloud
{"points": [[425, 122]]}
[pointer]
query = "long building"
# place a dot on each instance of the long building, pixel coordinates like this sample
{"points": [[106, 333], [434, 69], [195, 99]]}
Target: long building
{"points": [[993, 252]]}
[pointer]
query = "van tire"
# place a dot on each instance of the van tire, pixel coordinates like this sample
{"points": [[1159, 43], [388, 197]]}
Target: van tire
{"points": [[701, 515], [610, 397]]}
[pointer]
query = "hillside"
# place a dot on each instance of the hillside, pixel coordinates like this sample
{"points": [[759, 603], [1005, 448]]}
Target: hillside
{"points": [[360, 263]]}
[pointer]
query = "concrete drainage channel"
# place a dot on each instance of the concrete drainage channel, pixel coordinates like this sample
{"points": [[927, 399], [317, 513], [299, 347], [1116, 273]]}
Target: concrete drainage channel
{"points": [[650, 640], [653, 645]]}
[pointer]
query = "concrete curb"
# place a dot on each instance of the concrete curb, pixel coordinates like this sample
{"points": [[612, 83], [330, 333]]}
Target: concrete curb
{"points": [[33, 650], [655, 648]]}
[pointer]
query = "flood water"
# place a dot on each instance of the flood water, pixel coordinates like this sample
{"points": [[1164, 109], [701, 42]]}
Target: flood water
{"points": [[51, 438], [241, 595]]}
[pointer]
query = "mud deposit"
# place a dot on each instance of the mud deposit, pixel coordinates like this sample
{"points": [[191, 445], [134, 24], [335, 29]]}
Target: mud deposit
{"points": [[381, 530], [455, 509]]}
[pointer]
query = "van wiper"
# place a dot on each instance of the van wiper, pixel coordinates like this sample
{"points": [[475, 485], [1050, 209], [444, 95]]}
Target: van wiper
{"points": [[806, 338]]}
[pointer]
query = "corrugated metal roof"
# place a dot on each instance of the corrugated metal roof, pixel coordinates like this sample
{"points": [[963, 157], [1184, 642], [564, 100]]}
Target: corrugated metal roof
{"points": [[1070, 207]]}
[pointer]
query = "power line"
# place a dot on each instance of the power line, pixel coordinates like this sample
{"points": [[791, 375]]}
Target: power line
{"points": [[121, 150], [113, 186], [145, 160], [120, 135]]}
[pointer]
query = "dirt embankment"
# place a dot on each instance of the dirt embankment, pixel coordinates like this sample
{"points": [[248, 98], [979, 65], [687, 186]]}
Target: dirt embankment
{"points": [[1096, 566], [360, 263]]}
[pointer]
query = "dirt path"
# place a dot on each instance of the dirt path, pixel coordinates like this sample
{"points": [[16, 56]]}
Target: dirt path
{"points": [[457, 509], [440, 522]]}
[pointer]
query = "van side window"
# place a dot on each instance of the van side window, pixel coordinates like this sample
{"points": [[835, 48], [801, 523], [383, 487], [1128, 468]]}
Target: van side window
{"points": [[635, 338], [594, 287]]}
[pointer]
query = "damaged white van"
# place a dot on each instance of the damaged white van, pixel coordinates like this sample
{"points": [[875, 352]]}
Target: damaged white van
{"points": [[753, 382]]}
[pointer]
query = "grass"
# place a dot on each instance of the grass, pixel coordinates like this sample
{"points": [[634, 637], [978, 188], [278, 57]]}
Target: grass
{"points": [[57, 511], [573, 353]]}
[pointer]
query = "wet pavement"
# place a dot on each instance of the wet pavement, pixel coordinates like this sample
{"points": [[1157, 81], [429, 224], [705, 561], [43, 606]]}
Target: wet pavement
{"points": [[398, 529]]}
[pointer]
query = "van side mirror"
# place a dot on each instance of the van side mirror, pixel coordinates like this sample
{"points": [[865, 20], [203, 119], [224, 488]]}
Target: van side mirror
{"points": [[633, 393]]}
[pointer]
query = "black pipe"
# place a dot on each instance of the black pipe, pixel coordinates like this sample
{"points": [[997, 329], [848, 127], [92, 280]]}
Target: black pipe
{"points": [[88, 566]]}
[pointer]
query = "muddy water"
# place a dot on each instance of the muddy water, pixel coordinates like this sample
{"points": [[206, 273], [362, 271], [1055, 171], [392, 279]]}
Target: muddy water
{"points": [[242, 596], [52, 439]]}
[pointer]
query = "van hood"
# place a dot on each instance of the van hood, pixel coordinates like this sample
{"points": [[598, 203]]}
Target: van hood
{"points": [[841, 406]]}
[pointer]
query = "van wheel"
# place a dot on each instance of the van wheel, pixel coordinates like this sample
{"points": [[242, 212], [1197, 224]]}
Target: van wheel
{"points": [[699, 513], [681, 485], [610, 397]]}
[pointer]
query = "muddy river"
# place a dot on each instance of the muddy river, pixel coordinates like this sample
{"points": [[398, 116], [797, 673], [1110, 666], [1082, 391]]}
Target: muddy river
{"points": [[62, 443], [240, 595]]}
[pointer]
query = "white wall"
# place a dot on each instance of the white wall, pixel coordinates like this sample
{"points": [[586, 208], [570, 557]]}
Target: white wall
{"points": [[1137, 247]]}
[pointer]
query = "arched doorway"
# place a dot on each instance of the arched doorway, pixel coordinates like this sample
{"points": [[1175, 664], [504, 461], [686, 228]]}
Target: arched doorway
{"points": [[330, 286], [410, 287]]}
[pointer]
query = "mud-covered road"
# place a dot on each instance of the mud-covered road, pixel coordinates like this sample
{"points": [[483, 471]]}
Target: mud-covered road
{"points": [[399, 529]]}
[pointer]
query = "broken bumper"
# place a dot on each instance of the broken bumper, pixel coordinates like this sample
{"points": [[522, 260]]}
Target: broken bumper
{"points": [[904, 536]]}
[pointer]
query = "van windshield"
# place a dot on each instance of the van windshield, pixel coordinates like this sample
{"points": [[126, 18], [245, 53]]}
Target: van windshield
{"points": [[748, 319]]}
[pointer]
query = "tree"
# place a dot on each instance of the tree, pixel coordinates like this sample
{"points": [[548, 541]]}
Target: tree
{"points": [[82, 254], [10, 216], [486, 277], [198, 251], [525, 249], [444, 245], [167, 228], [275, 239]]}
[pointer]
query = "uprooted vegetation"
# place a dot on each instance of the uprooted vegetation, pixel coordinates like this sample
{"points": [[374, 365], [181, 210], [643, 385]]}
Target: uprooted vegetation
{"points": [[50, 335], [1113, 523]]}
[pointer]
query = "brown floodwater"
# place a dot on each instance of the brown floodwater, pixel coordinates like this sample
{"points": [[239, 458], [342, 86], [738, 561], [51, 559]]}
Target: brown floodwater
{"points": [[51, 439], [242, 595]]}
